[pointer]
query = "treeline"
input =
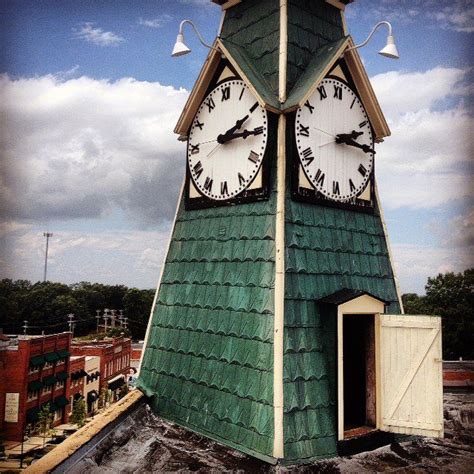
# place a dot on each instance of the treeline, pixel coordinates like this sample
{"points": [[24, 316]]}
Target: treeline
{"points": [[450, 296], [45, 305]]}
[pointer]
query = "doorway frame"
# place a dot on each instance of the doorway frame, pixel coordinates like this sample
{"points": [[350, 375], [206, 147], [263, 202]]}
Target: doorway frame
{"points": [[361, 305]]}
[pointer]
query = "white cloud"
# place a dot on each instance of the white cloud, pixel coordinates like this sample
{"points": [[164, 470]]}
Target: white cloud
{"points": [[130, 257], [414, 263], [83, 147], [426, 162], [456, 15], [98, 36], [156, 22]]}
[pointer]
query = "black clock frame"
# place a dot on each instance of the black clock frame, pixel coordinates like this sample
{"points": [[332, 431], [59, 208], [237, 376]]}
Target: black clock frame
{"points": [[247, 195], [312, 196]]}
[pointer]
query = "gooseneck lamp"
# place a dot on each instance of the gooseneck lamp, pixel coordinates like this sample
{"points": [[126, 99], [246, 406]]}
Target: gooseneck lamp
{"points": [[180, 48], [390, 49]]}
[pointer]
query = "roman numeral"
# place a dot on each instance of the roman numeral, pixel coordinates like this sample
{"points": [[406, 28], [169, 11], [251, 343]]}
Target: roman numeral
{"points": [[363, 124], [241, 93], [208, 184], [254, 106], [310, 107], [241, 179], [351, 186], [304, 131], [224, 189], [319, 177], [335, 188], [353, 102], [253, 157], [322, 93], [210, 104], [308, 155], [362, 170], [225, 93], [194, 149], [198, 169], [199, 124], [338, 92], [258, 130]]}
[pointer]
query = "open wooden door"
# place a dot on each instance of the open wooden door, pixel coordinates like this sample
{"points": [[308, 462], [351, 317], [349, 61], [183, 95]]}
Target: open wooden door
{"points": [[411, 378]]}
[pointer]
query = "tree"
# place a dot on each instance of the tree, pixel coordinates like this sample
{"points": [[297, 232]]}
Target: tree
{"points": [[79, 412], [45, 420], [450, 296]]}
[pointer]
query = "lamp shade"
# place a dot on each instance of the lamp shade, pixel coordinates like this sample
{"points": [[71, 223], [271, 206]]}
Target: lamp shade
{"points": [[390, 50], [180, 48]]}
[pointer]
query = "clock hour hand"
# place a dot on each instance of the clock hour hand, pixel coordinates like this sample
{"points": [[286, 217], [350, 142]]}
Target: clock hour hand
{"points": [[223, 137], [244, 134], [342, 137], [349, 139]]}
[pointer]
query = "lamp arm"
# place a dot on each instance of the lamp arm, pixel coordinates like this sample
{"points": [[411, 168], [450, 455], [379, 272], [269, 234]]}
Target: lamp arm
{"points": [[197, 33], [374, 29]]}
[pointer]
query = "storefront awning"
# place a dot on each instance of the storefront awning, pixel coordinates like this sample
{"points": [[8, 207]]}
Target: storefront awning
{"points": [[32, 415], [62, 376], [63, 353], [61, 401], [51, 357], [49, 380], [34, 385], [52, 406], [37, 361]]}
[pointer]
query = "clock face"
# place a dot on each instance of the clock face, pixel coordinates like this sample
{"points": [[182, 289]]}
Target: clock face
{"points": [[334, 141], [227, 141]]}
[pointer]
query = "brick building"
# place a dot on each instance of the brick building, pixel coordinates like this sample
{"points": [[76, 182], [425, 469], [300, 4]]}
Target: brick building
{"points": [[33, 373], [76, 383], [115, 354]]}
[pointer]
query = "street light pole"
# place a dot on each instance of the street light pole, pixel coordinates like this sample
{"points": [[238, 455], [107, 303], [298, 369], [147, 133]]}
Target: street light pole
{"points": [[47, 235]]}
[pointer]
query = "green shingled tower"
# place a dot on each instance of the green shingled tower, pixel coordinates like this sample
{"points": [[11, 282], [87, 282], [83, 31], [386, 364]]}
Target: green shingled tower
{"points": [[236, 323]]}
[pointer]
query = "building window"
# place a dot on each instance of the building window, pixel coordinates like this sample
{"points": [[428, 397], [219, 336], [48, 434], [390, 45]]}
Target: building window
{"points": [[33, 395], [59, 385], [47, 389], [33, 369], [57, 415], [48, 365]]}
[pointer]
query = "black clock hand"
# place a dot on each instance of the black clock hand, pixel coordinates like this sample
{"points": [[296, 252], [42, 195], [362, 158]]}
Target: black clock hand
{"points": [[348, 139], [222, 138], [244, 134], [364, 148], [341, 137]]}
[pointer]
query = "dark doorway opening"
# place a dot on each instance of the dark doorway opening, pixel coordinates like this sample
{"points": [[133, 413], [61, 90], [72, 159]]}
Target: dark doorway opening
{"points": [[359, 374]]}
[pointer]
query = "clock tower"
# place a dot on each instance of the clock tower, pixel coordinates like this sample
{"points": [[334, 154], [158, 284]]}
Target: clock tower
{"points": [[276, 327]]}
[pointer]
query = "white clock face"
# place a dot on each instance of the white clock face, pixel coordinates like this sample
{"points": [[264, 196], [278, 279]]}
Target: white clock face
{"points": [[227, 141], [334, 141]]}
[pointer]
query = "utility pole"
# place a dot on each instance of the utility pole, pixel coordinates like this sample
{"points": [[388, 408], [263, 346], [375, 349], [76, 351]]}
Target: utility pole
{"points": [[25, 327], [98, 319], [47, 235], [71, 323]]}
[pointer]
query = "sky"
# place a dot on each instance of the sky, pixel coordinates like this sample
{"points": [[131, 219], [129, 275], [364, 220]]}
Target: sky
{"points": [[89, 97]]}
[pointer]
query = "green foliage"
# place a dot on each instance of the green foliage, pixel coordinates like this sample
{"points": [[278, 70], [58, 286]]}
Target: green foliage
{"points": [[79, 412], [45, 420], [450, 296], [45, 306]]}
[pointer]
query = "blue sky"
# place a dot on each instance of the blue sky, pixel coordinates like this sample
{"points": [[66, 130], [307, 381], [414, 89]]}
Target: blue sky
{"points": [[90, 95]]}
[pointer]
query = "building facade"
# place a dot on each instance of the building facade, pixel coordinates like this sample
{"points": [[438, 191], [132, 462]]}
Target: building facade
{"points": [[77, 376], [92, 383], [115, 356], [34, 373]]}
